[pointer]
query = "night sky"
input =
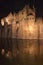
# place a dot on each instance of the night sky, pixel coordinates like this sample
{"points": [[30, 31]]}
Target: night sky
{"points": [[7, 6]]}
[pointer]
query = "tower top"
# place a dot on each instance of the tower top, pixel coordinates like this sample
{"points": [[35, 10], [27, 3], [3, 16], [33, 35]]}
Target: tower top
{"points": [[29, 10]]}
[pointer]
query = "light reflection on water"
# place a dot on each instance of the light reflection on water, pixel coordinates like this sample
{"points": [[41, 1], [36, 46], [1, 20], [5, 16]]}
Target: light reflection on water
{"points": [[28, 46], [25, 52], [30, 51]]}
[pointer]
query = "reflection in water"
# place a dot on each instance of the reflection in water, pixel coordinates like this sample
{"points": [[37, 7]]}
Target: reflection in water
{"points": [[28, 51]]}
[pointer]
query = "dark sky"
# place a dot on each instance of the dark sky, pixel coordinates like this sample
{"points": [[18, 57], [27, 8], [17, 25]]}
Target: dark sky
{"points": [[7, 6]]}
